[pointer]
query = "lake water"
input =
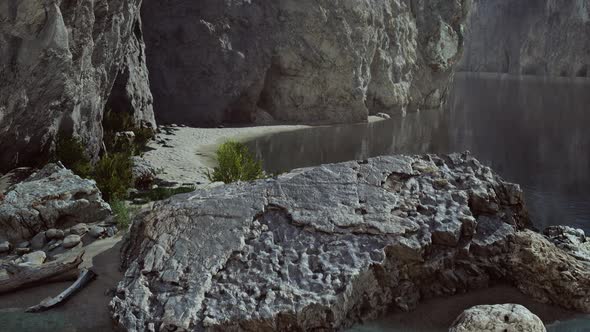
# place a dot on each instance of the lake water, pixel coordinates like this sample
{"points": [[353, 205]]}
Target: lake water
{"points": [[532, 131]]}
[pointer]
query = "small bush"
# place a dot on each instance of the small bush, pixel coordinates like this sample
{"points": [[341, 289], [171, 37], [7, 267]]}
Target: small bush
{"points": [[113, 175], [235, 163], [123, 214], [115, 122], [70, 151]]}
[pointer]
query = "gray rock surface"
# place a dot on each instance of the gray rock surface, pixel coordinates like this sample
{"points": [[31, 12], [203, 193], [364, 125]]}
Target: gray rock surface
{"points": [[58, 62], [96, 231], [53, 234], [5, 247], [38, 241], [71, 241], [313, 61], [534, 37], [499, 317], [78, 229], [326, 247], [34, 258], [143, 172], [574, 241], [53, 197]]}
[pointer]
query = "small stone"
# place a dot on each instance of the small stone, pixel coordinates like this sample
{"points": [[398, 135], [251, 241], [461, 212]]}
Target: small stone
{"points": [[71, 241], [54, 234], [39, 241], [500, 317], [96, 231], [24, 244], [383, 115], [111, 231], [34, 258], [79, 229], [4, 247]]}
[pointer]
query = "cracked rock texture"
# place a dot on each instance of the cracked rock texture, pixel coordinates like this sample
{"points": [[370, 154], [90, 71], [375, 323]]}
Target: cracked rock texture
{"points": [[532, 37], [51, 198], [312, 61], [500, 317], [323, 248], [58, 62]]}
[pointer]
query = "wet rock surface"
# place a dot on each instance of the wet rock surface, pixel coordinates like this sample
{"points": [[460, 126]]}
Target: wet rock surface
{"points": [[299, 61], [501, 317], [326, 247], [53, 197]]}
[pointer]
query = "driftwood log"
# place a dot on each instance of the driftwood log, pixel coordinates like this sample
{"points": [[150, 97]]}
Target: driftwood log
{"points": [[86, 276], [19, 276]]}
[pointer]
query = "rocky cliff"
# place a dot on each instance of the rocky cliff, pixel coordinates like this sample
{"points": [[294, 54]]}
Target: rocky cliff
{"points": [[325, 247], [59, 61], [533, 37], [312, 61]]}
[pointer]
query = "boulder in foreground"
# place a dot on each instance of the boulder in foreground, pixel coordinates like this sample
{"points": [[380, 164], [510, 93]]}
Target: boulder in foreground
{"points": [[501, 317], [327, 247]]}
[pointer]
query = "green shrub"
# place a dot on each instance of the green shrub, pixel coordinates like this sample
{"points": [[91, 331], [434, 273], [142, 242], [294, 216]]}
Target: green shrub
{"points": [[70, 151], [113, 175], [114, 122], [123, 214], [235, 163]]}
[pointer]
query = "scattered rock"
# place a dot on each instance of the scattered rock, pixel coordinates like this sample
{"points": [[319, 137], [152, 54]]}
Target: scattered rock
{"points": [[500, 317], [71, 241], [383, 115], [111, 231], [4, 247], [96, 231], [34, 258], [53, 233], [79, 229], [50, 196], [38, 241], [144, 173]]}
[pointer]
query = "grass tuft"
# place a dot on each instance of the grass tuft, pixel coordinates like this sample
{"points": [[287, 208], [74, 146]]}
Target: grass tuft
{"points": [[123, 214], [235, 163]]}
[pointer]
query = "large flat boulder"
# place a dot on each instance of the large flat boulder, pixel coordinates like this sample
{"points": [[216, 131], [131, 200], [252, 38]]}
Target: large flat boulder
{"points": [[52, 197], [326, 247]]}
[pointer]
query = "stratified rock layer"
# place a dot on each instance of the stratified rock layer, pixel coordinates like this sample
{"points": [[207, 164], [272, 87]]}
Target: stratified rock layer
{"points": [[53, 197], [58, 62], [501, 317], [533, 37], [326, 61], [325, 247]]}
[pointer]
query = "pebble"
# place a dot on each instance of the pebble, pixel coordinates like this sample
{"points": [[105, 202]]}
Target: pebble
{"points": [[54, 234], [79, 229], [96, 231], [71, 241], [34, 258], [39, 241]]}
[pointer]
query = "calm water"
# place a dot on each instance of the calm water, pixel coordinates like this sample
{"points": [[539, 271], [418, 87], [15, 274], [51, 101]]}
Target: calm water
{"points": [[532, 131]]}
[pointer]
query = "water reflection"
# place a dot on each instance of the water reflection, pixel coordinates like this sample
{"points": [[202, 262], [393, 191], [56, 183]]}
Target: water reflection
{"points": [[531, 130]]}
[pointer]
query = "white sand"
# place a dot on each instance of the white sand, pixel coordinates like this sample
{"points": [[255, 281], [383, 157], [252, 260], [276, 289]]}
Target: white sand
{"points": [[190, 151]]}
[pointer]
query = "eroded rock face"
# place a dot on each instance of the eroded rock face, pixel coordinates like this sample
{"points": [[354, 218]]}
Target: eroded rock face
{"points": [[533, 37], [53, 197], [327, 61], [326, 247], [500, 317], [58, 62]]}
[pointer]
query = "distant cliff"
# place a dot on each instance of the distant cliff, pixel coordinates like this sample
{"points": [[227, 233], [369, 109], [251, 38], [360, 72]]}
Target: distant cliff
{"points": [[312, 61], [532, 37]]}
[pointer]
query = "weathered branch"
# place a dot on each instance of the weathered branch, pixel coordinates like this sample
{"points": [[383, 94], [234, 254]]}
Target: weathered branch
{"points": [[86, 276], [24, 276]]}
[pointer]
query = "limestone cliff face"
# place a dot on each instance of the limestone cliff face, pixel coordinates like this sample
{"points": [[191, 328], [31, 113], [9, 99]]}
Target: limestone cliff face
{"points": [[533, 37], [316, 61], [58, 63]]}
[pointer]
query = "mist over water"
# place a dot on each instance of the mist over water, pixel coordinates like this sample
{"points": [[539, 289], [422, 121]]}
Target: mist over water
{"points": [[532, 131]]}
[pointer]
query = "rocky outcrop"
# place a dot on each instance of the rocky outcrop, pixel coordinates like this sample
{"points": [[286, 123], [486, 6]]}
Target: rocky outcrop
{"points": [[500, 317], [51, 198], [325, 247], [58, 62], [299, 61], [532, 37]]}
